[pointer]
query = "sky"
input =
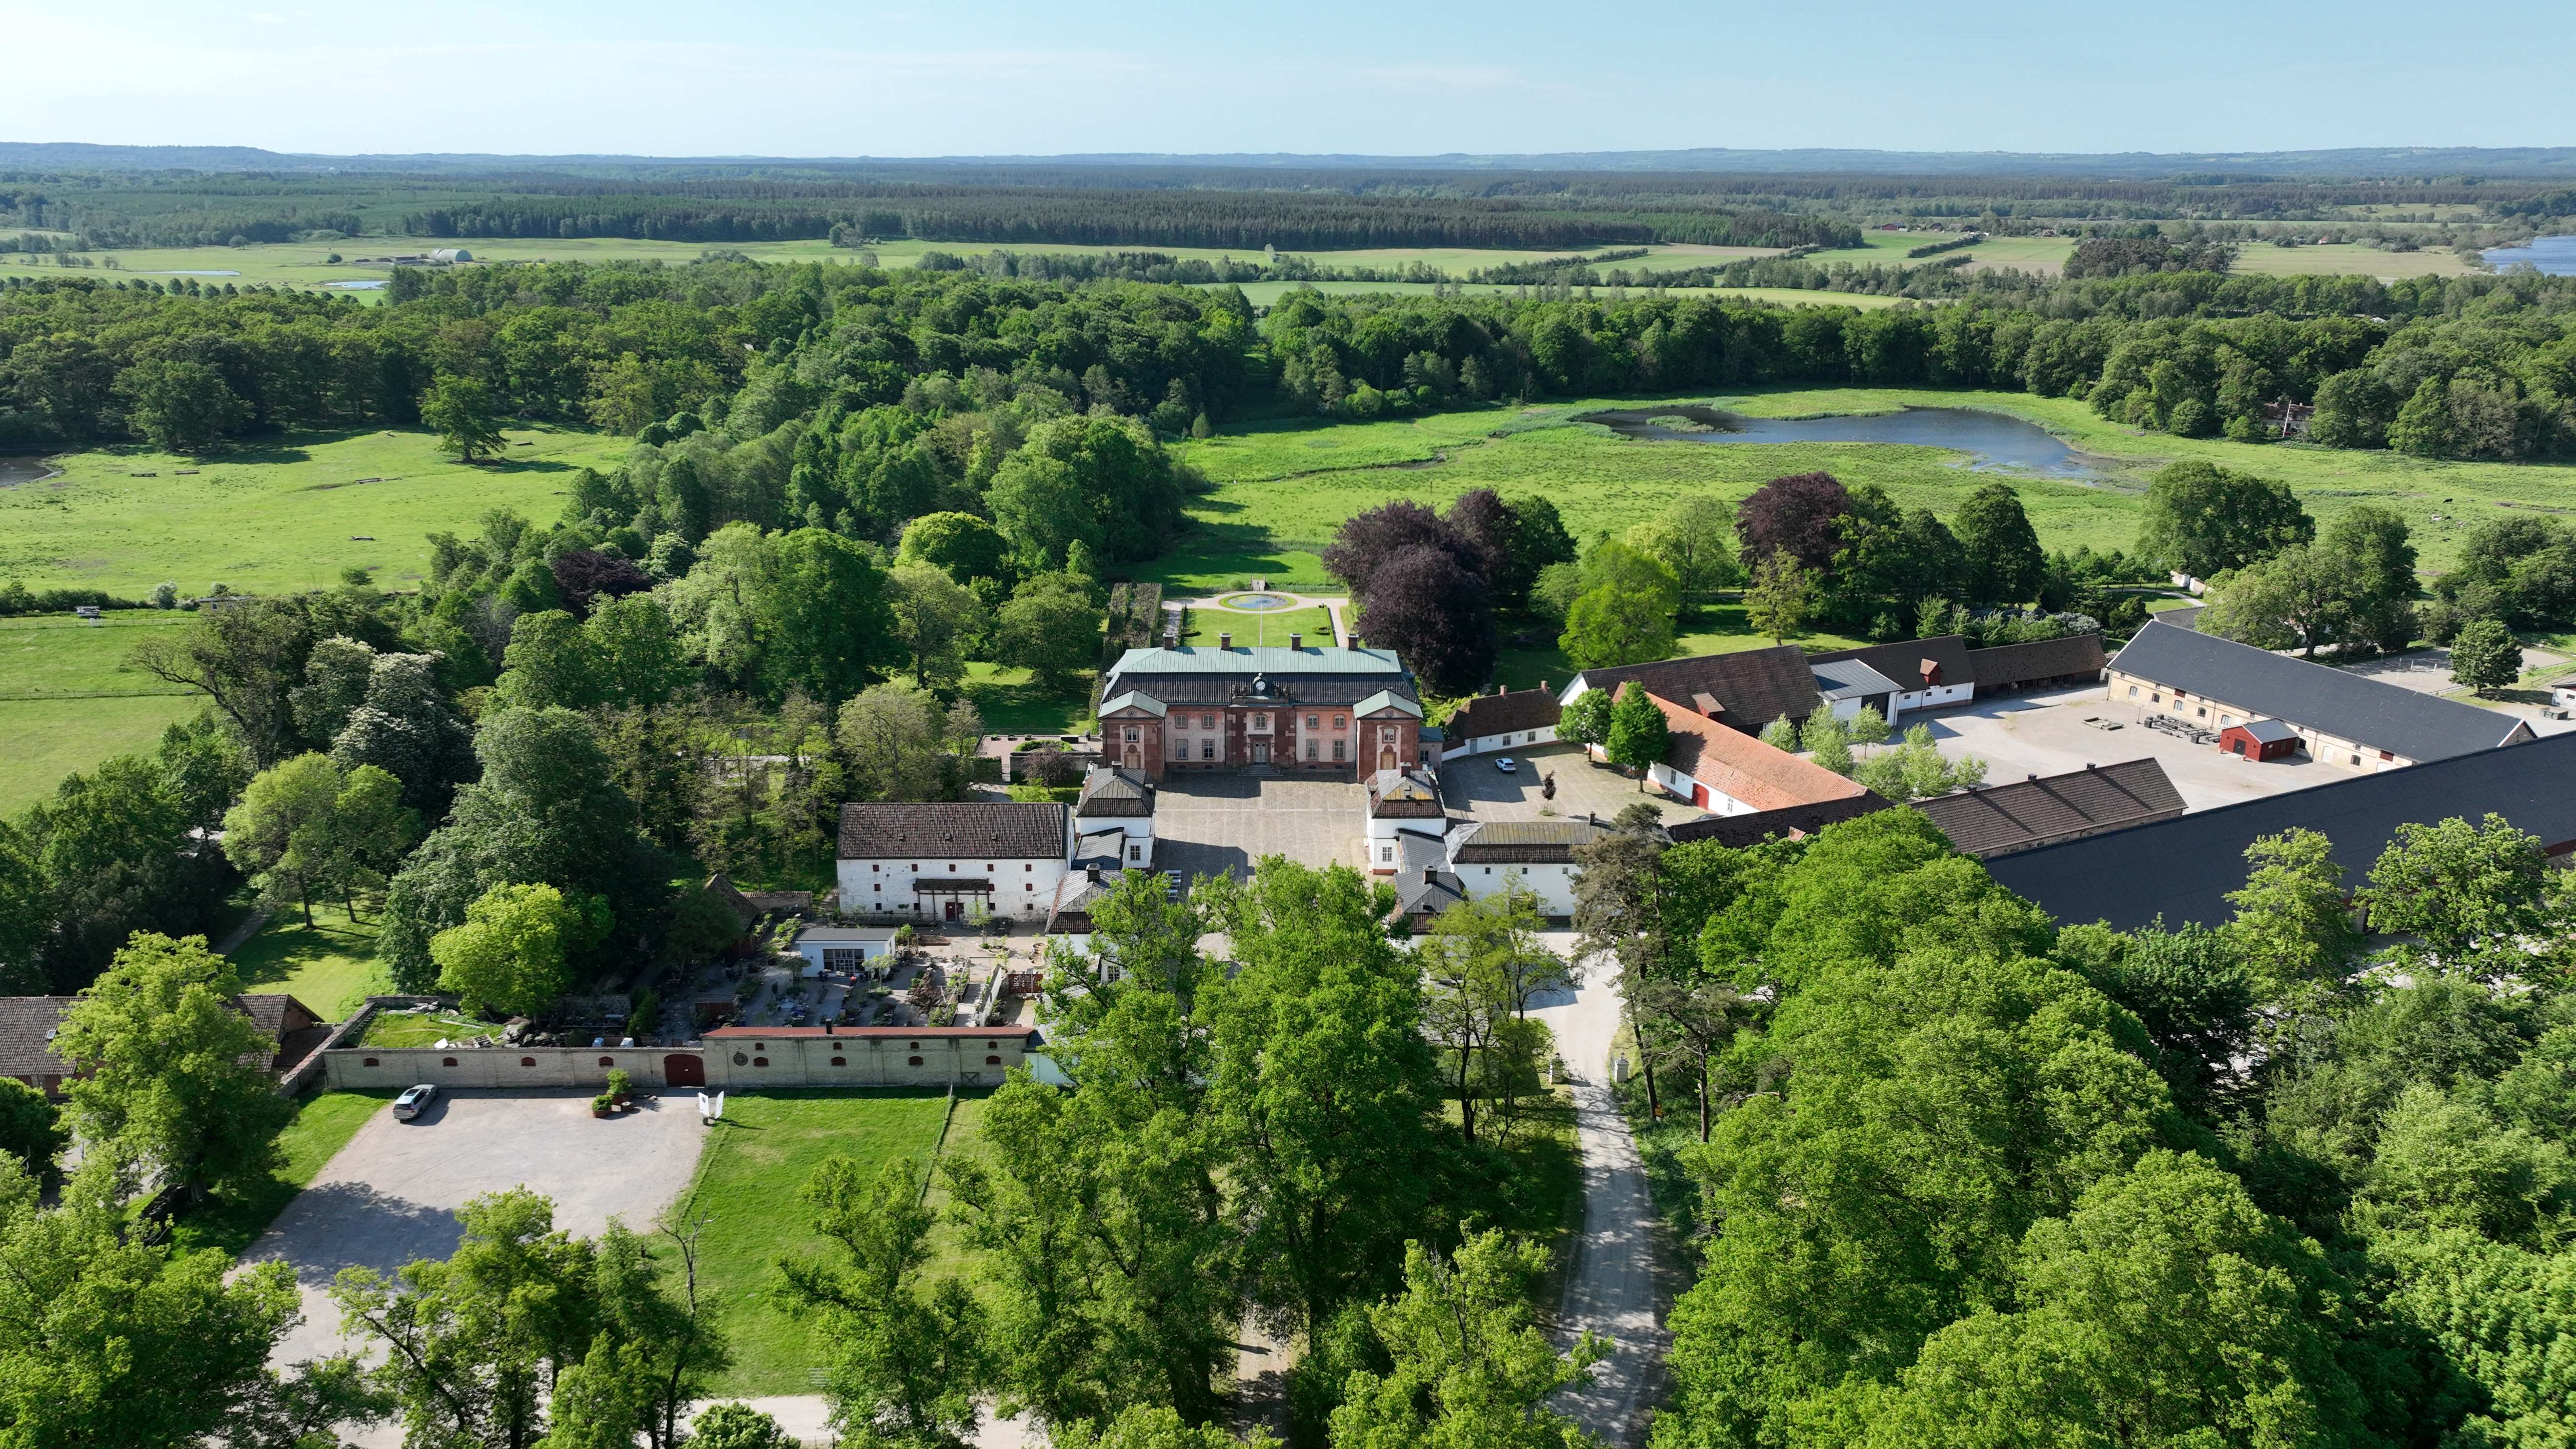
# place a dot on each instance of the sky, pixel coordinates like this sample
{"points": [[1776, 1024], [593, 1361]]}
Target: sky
{"points": [[977, 77]]}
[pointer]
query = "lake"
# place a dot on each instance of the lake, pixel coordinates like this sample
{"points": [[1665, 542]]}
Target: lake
{"points": [[19, 468], [2555, 255], [1992, 439]]}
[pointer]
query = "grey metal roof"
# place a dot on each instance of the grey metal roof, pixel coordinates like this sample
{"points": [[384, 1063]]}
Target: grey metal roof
{"points": [[2269, 731], [2258, 682], [1111, 792], [1388, 699], [1838, 679], [1257, 659], [2182, 869], [1905, 662], [1133, 699]]}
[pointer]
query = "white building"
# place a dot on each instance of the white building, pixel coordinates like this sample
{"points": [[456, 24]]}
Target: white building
{"points": [[1923, 673], [843, 948], [1401, 804], [1115, 817], [1538, 855], [1504, 721], [939, 861]]}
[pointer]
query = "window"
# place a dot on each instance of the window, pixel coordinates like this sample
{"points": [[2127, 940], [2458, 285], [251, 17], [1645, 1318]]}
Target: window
{"points": [[915, 1061], [447, 1061], [372, 1062], [1132, 734], [2155, 699], [740, 1060], [2356, 762], [1135, 852], [1207, 749], [1207, 721], [1386, 852], [760, 1061], [2204, 711], [608, 1061], [2227, 721], [1338, 747], [527, 1061], [1310, 749], [992, 1061], [1341, 722], [1310, 722], [1028, 865], [988, 867], [873, 867]]}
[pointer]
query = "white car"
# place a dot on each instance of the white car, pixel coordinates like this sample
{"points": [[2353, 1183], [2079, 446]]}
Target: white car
{"points": [[1508, 765], [415, 1100]]}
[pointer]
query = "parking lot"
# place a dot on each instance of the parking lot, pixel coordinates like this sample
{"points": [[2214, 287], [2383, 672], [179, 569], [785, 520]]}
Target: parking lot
{"points": [[2049, 734], [1474, 788], [391, 1195], [1222, 824]]}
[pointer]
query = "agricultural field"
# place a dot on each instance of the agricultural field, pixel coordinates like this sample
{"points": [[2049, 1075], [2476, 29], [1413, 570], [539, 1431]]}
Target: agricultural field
{"points": [[2344, 259], [1264, 294], [67, 702], [2045, 255], [753, 1168], [273, 516]]}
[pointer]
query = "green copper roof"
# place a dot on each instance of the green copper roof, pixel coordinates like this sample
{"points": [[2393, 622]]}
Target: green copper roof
{"points": [[1387, 699], [1133, 700], [1257, 659]]}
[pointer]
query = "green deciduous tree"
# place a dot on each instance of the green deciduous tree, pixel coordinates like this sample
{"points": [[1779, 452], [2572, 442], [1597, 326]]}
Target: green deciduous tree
{"points": [[1639, 734], [2204, 520], [2293, 924], [1050, 627], [514, 952], [181, 406], [465, 415], [1610, 625], [167, 1074], [1586, 721], [1917, 770], [1781, 594], [2461, 889], [936, 618], [1471, 1364], [905, 1355], [2004, 561], [891, 737], [2485, 656], [831, 630], [1695, 538]]}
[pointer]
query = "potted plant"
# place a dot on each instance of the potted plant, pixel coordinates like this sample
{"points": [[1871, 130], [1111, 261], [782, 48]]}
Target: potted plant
{"points": [[621, 1085], [602, 1105]]}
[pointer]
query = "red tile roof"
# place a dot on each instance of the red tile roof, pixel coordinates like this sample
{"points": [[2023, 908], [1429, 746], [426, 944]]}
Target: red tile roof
{"points": [[1743, 767]]}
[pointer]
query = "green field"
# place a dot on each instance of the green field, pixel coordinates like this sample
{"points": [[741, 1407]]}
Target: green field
{"points": [[1012, 704], [1264, 294], [273, 517], [2344, 259], [1274, 627], [329, 965], [748, 1180], [323, 1124], [67, 703]]}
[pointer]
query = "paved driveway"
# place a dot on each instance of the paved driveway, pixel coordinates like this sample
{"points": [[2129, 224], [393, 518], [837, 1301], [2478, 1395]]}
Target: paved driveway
{"points": [[1222, 824], [1472, 787], [2047, 734], [391, 1195]]}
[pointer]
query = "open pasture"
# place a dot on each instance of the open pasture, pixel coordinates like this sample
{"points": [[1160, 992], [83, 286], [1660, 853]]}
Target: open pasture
{"points": [[67, 702], [273, 516]]}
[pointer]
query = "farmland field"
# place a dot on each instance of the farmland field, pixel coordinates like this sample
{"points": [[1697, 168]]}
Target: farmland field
{"points": [[273, 516], [67, 703]]}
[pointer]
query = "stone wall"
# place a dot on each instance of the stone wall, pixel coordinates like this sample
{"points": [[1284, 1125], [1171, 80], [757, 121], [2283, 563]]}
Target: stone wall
{"points": [[503, 1067], [749, 1060]]}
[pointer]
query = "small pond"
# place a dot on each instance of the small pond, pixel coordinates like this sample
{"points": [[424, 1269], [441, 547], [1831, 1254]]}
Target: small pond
{"points": [[1257, 603], [1992, 439], [2555, 255], [22, 468]]}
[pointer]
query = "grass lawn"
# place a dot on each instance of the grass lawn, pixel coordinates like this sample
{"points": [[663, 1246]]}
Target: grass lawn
{"points": [[273, 516], [67, 702], [423, 1028], [1247, 627], [1012, 703], [329, 965], [1283, 487], [748, 1181], [323, 1125]]}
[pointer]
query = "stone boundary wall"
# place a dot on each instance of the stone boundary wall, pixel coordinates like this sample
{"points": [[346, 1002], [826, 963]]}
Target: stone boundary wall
{"points": [[498, 1067], [736, 1063]]}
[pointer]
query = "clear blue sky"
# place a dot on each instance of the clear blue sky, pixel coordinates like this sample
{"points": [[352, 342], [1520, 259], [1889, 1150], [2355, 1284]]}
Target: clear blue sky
{"points": [[805, 77]]}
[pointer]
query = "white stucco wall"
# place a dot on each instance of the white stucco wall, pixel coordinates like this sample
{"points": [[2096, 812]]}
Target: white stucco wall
{"points": [[1021, 887], [1552, 884]]}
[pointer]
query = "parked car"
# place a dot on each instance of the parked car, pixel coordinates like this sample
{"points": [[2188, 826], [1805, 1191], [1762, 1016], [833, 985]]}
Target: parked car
{"points": [[1508, 765], [415, 1100]]}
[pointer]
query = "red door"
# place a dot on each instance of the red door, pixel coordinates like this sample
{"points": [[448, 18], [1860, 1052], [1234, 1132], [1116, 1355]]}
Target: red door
{"points": [[684, 1069]]}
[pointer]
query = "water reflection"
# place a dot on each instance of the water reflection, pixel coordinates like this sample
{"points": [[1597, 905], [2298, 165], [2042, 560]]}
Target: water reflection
{"points": [[1992, 439]]}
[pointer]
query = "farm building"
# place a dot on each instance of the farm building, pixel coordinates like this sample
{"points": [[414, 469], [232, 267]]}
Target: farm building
{"points": [[1324, 710], [844, 948], [1402, 803], [1119, 804], [1726, 773], [1926, 673], [1743, 691], [1994, 820], [942, 861], [2182, 869], [1794, 822], [1850, 685], [1423, 892], [2040, 664], [28, 1025], [2260, 739], [1536, 854], [1503, 721], [2339, 717]]}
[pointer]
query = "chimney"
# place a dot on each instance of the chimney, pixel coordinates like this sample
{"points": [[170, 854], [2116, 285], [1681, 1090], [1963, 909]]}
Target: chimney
{"points": [[1542, 684], [1358, 643], [1296, 641], [827, 1026], [1225, 641]]}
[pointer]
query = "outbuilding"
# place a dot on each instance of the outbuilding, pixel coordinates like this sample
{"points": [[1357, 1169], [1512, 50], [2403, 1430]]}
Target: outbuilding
{"points": [[844, 948], [2260, 739]]}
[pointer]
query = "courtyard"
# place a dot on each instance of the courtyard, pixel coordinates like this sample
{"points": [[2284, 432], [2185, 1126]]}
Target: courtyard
{"points": [[2054, 733], [1474, 788], [1209, 824]]}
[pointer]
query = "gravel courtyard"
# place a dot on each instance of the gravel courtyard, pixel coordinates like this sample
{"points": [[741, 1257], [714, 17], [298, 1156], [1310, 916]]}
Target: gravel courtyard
{"points": [[2048, 734]]}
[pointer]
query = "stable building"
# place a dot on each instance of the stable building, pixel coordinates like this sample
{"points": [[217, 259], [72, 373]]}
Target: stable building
{"points": [[1742, 691], [1727, 773], [1924, 673], [2066, 662], [1504, 721], [1848, 686], [2339, 717], [1537, 855], [1993, 820], [1114, 818], [1329, 711], [953, 861], [29, 1024]]}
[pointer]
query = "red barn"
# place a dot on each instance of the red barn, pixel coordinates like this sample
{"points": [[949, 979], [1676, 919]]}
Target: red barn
{"points": [[2260, 739]]}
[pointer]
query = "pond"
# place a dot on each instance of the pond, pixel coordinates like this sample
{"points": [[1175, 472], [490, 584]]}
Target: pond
{"points": [[20, 468], [1257, 603], [2555, 255], [1992, 439]]}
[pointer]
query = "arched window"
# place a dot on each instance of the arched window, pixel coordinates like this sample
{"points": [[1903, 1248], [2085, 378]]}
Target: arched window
{"points": [[447, 1061], [992, 1061], [916, 1061], [371, 1061], [527, 1061], [840, 1061], [608, 1061], [760, 1061]]}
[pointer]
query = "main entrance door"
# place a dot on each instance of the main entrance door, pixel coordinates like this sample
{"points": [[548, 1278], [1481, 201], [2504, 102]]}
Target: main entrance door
{"points": [[1261, 754], [684, 1069], [953, 911]]}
